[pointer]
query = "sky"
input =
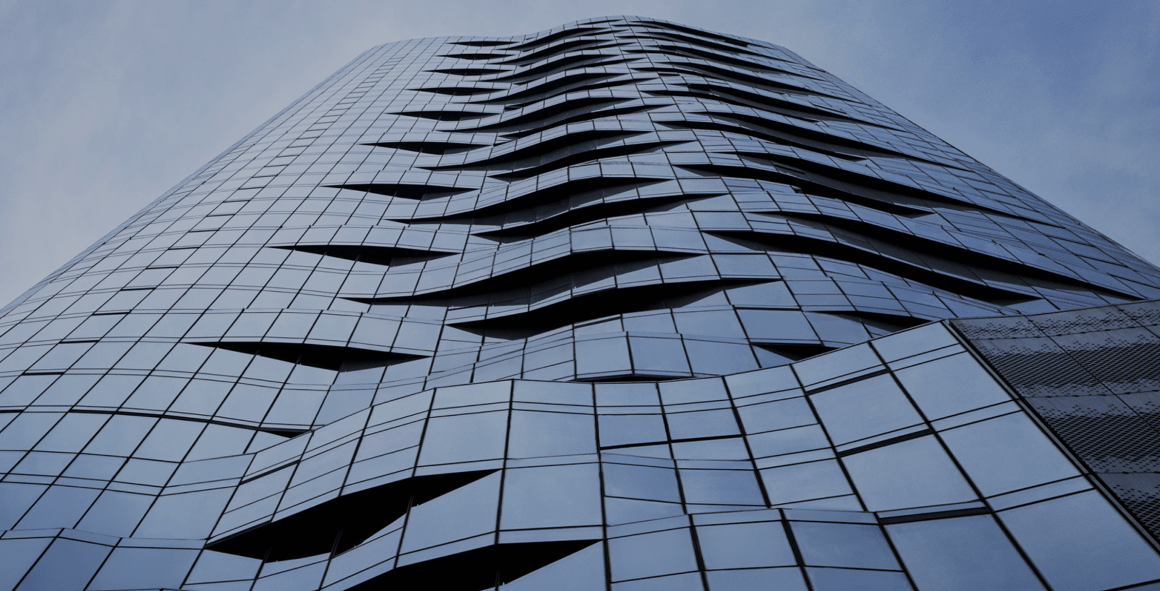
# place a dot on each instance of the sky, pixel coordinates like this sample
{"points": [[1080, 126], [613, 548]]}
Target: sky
{"points": [[106, 105]]}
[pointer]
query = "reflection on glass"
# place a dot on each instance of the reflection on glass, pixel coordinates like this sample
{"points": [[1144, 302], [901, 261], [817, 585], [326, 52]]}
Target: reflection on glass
{"points": [[961, 554], [951, 385], [843, 544], [838, 579], [863, 409], [914, 473], [1006, 454], [1092, 548], [650, 555], [551, 496], [744, 545], [802, 482]]}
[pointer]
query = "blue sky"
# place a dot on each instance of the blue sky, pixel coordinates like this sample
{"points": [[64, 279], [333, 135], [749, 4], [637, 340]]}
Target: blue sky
{"points": [[104, 106]]}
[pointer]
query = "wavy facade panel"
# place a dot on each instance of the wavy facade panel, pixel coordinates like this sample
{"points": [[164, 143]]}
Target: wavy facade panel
{"points": [[623, 305]]}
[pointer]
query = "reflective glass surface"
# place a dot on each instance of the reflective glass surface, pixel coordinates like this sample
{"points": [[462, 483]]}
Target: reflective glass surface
{"points": [[622, 305]]}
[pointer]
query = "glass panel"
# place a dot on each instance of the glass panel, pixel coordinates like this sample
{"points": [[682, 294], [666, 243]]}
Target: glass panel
{"points": [[551, 496], [43, 463], [832, 365], [912, 342], [186, 516], [26, 429], [248, 402], [121, 435], [685, 582], [641, 482], [67, 565], [787, 441], [710, 323], [550, 434], [839, 579], [60, 506], [307, 578], [618, 511], [72, 433], [390, 440], [141, 568], [116, 513], [745, 545], [375, 331], [659, 356], [864, 408], [220, 440], [62, 356], [169, 440], [721, 487], [843, 544], [67, 390], [713, 358], [156, 393], [95, 467], [626, 395], [602, 356], [296, 407], [459, 514], [631, 429], [226, 363], [963, 554], [25, 390], [464, 438], [951, 385], [363, 557], [914, 473], [18, 558], [266, 368], [801, 482], [782, 579], [687, 391], [778, 325], [713, 449], [146, 472], [252, 325], [457, 396], [1006, 454], [17, 499], [1080, 543], [111, 391], [185, 357], [793, 412], [580, 571], [708, 423], [219, 566], [650, 555]]}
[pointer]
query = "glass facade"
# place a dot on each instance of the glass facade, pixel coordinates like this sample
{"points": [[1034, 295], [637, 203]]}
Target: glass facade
{"points": [[621, 306]]}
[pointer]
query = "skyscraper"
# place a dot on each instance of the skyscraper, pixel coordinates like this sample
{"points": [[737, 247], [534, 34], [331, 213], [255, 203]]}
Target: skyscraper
{"points": [[623, 305]]}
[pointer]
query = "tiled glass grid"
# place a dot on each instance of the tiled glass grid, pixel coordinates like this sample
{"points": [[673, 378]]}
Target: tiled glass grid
{"points": [[236, 218], [616, 199], [1093, 376], [895, 463]]}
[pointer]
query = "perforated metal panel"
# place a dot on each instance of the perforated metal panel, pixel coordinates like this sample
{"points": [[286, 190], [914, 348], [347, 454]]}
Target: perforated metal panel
{"points": [[1141, 493], [1093, 376]]}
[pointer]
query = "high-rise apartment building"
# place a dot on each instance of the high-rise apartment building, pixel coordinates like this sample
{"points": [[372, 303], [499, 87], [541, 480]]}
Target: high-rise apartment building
{"points": [[624, 306]]}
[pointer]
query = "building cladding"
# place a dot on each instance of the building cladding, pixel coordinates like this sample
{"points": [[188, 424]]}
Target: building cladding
{"points": [[623, 306]]}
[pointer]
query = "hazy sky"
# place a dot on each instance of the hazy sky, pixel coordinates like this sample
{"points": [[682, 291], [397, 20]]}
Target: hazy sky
{"points": [[105, 105]]}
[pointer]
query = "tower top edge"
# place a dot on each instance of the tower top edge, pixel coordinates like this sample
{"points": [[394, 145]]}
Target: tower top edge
{"points": [[626, 19]]}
